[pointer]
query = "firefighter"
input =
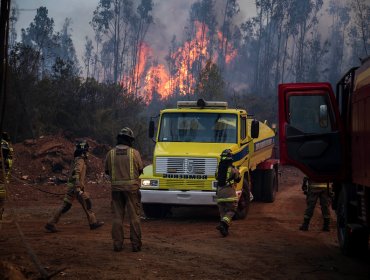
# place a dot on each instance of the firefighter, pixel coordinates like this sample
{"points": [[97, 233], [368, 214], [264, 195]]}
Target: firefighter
{"points": [[315, 191], [6, 165], [227, 200], [76, 190], [123, 165]]}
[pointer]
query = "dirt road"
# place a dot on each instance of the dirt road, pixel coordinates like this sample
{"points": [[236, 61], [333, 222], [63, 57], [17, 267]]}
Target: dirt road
{"points": [[266, 245]]}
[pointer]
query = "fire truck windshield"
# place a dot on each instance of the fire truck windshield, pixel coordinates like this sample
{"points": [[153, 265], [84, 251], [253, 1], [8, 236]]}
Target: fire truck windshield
{"points": [[198, 127]]}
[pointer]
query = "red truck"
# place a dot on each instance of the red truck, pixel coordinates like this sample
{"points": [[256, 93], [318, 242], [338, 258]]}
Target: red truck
{"points": [[327, 136]]}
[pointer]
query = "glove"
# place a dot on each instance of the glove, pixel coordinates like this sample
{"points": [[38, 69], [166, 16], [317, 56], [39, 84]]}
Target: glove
{"points": [[79, 191]]}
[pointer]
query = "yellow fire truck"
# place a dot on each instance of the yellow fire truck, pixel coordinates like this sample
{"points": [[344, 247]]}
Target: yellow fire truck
{"points": [[189, 141]]}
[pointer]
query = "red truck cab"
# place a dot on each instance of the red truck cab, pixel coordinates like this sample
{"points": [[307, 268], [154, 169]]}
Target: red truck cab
{"points": [[327, 136]]}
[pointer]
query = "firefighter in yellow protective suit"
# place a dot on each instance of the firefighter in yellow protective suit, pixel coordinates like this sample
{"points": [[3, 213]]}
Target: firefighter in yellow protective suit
{"points": [[123, 164], [76, 190], [315, 191], [6, 165], [227, 200]]}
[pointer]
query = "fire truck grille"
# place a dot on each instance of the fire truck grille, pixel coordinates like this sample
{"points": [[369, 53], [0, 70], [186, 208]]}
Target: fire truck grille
{"points": [[185, 184], [185, 165]]}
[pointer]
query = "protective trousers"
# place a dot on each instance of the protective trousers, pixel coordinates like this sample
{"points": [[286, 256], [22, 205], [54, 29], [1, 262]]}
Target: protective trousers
{"points": [[227, 202], [131, 200], [312, 197], [70, 196]]}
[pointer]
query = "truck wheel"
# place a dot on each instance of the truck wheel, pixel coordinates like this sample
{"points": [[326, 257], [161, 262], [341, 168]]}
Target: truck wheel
{"points": [[244, 202], [353, 238], [156, 211], [270, 185]]}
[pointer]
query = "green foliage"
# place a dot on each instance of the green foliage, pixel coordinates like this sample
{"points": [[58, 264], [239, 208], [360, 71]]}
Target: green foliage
{"points": [[64, 102]]}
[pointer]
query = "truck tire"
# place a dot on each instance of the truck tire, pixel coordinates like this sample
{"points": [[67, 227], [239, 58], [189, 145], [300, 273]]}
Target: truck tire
{"points": [[269, 186], [243, 203], [156, 211], [353, 239]]}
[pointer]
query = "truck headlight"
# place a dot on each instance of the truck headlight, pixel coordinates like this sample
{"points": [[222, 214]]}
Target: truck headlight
{"points": [[214, 185], [149, 183]]}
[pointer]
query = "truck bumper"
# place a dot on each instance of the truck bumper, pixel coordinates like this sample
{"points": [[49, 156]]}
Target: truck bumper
{"points": [[178, 197]]}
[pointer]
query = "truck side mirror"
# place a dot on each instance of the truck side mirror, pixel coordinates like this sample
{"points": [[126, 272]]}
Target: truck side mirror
{"points": [[323, 116], [151, 129], [255, 129]]}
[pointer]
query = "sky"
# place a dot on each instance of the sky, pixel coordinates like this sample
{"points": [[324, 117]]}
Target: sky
{"points": [[169, 15]]}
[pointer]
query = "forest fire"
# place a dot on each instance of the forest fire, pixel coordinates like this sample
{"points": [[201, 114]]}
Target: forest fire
{"points": [[153, 78]]}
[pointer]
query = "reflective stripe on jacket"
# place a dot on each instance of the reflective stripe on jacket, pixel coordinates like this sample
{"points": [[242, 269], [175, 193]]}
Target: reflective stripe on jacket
{"points": [[314, 185], [228, 199], [124, 165]]}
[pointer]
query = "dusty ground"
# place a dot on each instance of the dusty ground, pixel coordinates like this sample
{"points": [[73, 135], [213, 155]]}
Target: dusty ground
{"points": [[266, 245]]}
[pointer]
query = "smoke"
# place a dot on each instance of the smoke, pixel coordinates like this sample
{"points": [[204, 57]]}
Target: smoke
{"points": [[171, 18]]}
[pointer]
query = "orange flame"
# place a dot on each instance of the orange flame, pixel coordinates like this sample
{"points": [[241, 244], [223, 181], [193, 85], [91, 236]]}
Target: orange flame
{"points": [[226, 47], [154, 78]]}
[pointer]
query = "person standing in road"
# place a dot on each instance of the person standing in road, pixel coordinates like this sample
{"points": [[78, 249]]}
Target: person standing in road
{"points": [[5, 165], [76, 190], [315, 191], [123, 165], [227, 200]]}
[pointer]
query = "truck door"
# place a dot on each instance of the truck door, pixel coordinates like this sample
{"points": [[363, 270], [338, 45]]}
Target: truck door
{"points": [[310, 130]]}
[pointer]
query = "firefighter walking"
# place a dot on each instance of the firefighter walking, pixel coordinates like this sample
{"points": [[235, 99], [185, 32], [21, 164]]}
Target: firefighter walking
{"points": [[227, 200], [76, 190], [316, 191], [5, 165], [123, 164]]}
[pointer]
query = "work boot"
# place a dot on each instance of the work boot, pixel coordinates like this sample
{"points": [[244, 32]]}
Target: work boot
{"points": [[51, 228], [305, 225], [136, 248], [223, 228], [117, 247], [326, 226], [96, 225]]}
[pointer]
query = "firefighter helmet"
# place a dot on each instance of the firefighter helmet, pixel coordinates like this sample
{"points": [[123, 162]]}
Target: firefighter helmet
{"points": [[126, 132], [82, 146], [226, 155], [5, 136]]}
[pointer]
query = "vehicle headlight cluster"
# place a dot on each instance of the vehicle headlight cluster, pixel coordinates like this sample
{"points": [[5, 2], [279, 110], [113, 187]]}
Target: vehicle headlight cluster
{"points": [[214, 185], [149, 183]]}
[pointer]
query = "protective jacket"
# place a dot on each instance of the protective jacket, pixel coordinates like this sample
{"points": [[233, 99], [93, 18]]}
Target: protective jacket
{"points": [[227, 199], [123, 164], [5, 167], [78, 174], [7, 157], [232, 177]]}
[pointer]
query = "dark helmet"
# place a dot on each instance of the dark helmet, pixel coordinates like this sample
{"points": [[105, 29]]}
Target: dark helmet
{"points": [[82, 147], [226, 155], [5, 136], [126, 132]]}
